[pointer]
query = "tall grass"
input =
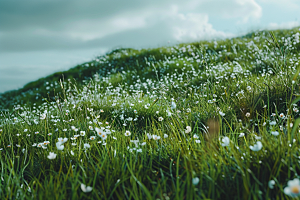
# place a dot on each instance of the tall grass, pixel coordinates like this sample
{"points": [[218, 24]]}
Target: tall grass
{"points": [[206, 120]]}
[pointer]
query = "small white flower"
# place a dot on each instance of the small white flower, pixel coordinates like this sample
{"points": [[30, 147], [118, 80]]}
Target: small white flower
{"points": [[82, 133], [195, 136], [225, 141], [149, 136], [275, 133], [293, 188], [195, 180], [85, 188], [86, 145], [257, 137], [295, 109], [166, 135], [242, 135], [72, 153], [51, 155], [282, 116], [221, 113], [62, 140], [247, 114], [271, 184], [43, 116], [74, 128], [169, 113], [160, 119], [127, 133], [188, 129], [272, 123], [59, 146], [156, 137], [92, 138], [135, 142], [197, 141], [173, 105], [25, 130], [257, 146], [101, 133]]}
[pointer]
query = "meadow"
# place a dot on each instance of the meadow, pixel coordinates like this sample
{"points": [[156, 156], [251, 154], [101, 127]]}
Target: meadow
{"points": [[205, 120]]}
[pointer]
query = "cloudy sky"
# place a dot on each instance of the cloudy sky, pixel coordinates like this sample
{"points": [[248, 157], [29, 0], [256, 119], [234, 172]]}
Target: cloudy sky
{"points": [[38, 38]]}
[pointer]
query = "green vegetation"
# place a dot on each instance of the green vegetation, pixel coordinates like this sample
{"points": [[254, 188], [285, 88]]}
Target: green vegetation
{"points": [[205, 120]]}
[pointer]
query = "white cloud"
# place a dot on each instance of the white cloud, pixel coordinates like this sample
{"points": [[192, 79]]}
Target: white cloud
{"points": [[284, 25], [242, 10], [248, 9], [75, 25], [172, 18], [288, 4], [172, 23], [193, 26]]}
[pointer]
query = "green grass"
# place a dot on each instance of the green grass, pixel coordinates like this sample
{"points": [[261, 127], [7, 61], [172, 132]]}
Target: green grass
{"points": [[244, 89]]}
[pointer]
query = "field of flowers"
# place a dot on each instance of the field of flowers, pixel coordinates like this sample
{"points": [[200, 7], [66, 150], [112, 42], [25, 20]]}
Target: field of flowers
{"points": [[205, 120]]}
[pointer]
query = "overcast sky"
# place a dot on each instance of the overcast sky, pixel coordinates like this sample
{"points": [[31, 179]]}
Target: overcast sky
{"points": [[40, 37]]}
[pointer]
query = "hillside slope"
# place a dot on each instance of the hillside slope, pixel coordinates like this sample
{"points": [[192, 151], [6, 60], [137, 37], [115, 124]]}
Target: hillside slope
{"points": [[142, 63], [205, 120]]}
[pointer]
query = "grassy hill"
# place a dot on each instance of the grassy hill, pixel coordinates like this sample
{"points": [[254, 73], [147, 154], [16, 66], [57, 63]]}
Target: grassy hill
{"points": [[137, 61], [204, 120]]}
